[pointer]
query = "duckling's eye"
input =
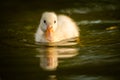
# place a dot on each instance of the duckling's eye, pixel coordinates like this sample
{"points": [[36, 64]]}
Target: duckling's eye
{"points": [[54, 22], [44, 21]]}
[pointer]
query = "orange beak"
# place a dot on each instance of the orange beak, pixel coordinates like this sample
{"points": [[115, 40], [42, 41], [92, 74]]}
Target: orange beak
{"points": [[49, 33]]}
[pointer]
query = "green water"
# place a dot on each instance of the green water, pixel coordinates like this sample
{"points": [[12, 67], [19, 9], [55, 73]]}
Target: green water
{"points": [[95, 57]]}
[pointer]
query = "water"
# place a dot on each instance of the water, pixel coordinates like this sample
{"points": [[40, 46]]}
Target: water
{"points": [[95, 57]]}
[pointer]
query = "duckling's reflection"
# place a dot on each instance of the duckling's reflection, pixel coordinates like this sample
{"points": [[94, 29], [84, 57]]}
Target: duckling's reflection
{"points": [[49, 56], [52, 77]]}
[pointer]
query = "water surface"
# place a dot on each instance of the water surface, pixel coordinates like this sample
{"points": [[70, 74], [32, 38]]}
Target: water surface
{"points": [[95, 57]]}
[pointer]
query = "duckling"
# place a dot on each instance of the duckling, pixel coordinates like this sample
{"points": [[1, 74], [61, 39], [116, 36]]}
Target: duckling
{"points": [[55, 28]]}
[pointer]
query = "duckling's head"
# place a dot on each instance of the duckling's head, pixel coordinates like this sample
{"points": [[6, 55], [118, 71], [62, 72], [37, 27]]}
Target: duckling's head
{"points": [[48, 24]]}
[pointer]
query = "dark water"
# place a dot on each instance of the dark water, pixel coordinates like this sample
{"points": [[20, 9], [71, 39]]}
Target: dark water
{"points": [[95, 57]]}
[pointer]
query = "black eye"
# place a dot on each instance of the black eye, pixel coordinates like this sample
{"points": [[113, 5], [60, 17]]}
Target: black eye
{"points": [[54, 22], [44, 21]]}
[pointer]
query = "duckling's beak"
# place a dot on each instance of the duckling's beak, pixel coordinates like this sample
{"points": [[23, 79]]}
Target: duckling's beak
{"points": [[49, 33]]}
